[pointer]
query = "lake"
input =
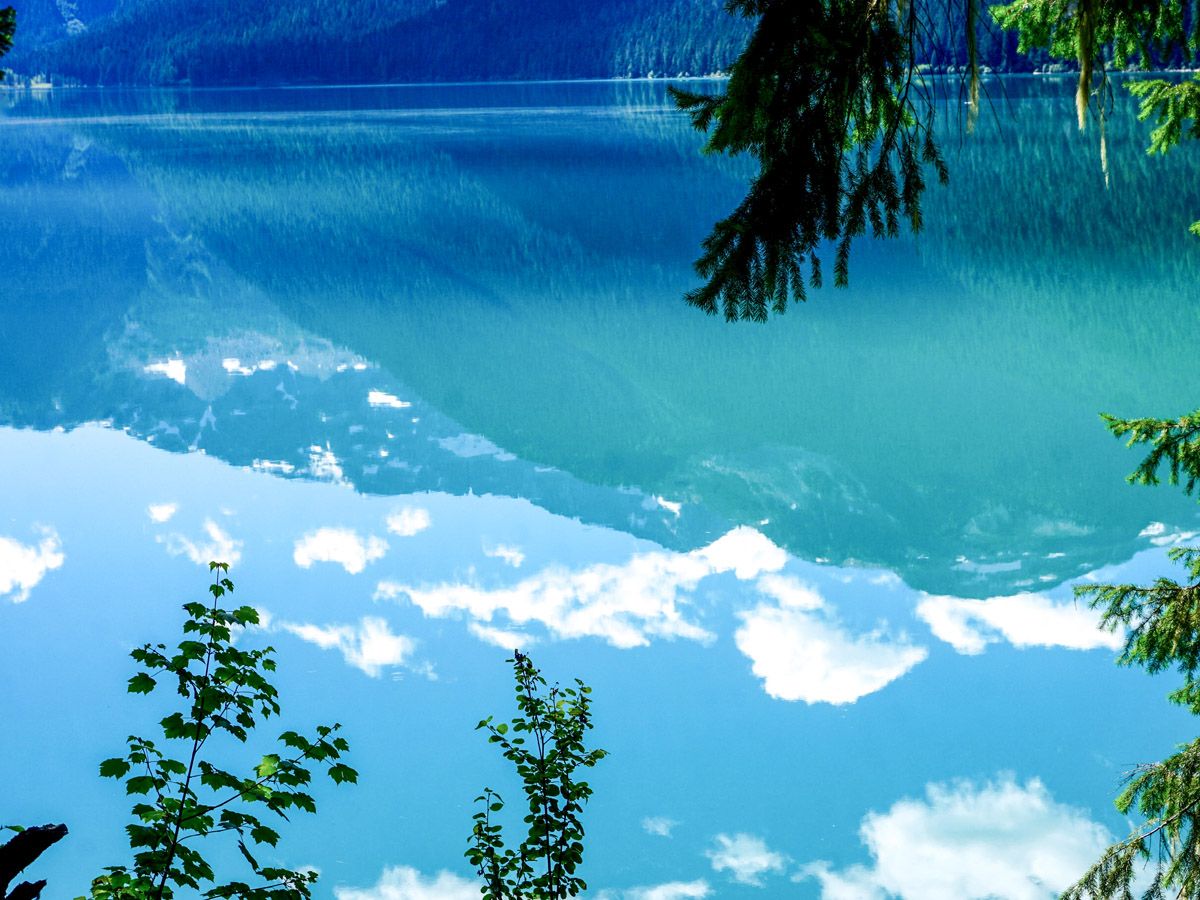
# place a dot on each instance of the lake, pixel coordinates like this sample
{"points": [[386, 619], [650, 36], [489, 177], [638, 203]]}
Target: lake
{"points": [[414, 360]]}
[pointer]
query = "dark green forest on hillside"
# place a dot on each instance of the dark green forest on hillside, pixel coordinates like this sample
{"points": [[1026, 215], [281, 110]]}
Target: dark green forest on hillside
{"points": [[230, 42], [336, 41]]}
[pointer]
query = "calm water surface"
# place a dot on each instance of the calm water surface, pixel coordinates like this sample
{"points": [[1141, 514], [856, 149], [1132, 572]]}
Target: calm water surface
{"points": [[414, 361]]}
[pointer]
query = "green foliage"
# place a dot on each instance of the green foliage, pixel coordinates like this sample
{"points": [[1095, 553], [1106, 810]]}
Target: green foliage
{"points": [[183, 799], [1171, 105], [1175, 442], [545, 743], [1102, 34], [1162, 625], [1162, 632], [1166, 795], [1098, 34], [8, 25], [827, 97], [1161, 622], [824, 97]]}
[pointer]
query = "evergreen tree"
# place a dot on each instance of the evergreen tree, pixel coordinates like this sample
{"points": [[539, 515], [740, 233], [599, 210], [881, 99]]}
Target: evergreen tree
{"points": [[8, 25], [827, 96], [1162, 626]]}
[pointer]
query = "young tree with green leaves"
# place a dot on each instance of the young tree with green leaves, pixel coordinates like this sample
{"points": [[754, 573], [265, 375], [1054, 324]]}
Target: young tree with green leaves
{"points": [[828, 98], [184, 798], [545, 743], [1162, 627]]}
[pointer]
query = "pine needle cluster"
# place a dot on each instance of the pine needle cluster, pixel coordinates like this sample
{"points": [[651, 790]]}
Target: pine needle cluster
{"points": [[8, 26], [829, 98], [825, 98], [1162, 633]]}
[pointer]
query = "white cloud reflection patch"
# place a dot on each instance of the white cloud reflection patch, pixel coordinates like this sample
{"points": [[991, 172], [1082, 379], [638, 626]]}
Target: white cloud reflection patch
{"points": [[407, 883], [963, 841], [745, 857], [625, 605], [659, 826], [161, 512], [672, 890], [504, 638], [23, 566], [408, 521], [1024, 620], [343, 546], [801, 652], [216, 544], [369, 646], [512, 556]]}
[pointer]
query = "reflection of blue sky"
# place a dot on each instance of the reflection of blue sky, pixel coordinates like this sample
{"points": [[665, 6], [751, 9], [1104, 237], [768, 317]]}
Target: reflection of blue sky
{"points": [[387, 610], [553, 453]]}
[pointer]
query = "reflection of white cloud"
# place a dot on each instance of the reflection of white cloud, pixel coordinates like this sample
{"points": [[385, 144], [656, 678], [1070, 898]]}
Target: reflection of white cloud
{"points": [[272, 465], [471, 445], [514, 556], [23, 566], [671, 506], [624, 604], [745, 552], [161, 512], [746, 857], [965, 565], [1062, 527], [175, 369], [1000, 840], [233, 365], [1024, 620], [382, 400], [323, 464], [503, 638], [408, 521], [802, 653], [368, 647], [219, 546], [672, 890], [406, 883], [1157, 533], [659, 826], [339, 545], [791, 592]]}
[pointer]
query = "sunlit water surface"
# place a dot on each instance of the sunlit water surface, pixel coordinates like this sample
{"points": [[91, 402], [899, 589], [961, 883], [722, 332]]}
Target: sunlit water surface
{"points": [[414, 361]]}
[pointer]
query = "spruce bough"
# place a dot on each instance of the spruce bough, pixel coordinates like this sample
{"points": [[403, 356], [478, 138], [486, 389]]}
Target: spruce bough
{"points": [[1162, 627], [829, 99]]}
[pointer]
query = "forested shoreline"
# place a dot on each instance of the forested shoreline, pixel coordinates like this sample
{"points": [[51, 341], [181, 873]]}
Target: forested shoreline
{"points": [[224, 42]]}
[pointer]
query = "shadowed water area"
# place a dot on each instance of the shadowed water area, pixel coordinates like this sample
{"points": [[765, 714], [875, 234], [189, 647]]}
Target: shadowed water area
{"points": [[416, 358]]}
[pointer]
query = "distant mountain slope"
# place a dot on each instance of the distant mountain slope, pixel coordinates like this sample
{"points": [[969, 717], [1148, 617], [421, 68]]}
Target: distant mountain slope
{"points": [[42, 22], [225, 42]]}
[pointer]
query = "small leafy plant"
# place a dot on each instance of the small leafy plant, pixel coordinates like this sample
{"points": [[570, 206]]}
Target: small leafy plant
{"points": [[545, 742], [186, 798]]}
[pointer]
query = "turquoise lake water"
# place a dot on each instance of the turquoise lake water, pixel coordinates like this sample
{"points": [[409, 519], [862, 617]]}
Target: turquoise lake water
{"points": [[415, 361]]}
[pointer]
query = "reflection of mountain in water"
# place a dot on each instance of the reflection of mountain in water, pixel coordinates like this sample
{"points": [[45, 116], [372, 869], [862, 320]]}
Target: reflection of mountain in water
{"points": [[517, 265]]}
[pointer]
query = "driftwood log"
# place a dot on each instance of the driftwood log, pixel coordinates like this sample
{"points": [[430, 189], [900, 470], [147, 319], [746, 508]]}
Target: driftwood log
{"points": [[18, 853]]}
